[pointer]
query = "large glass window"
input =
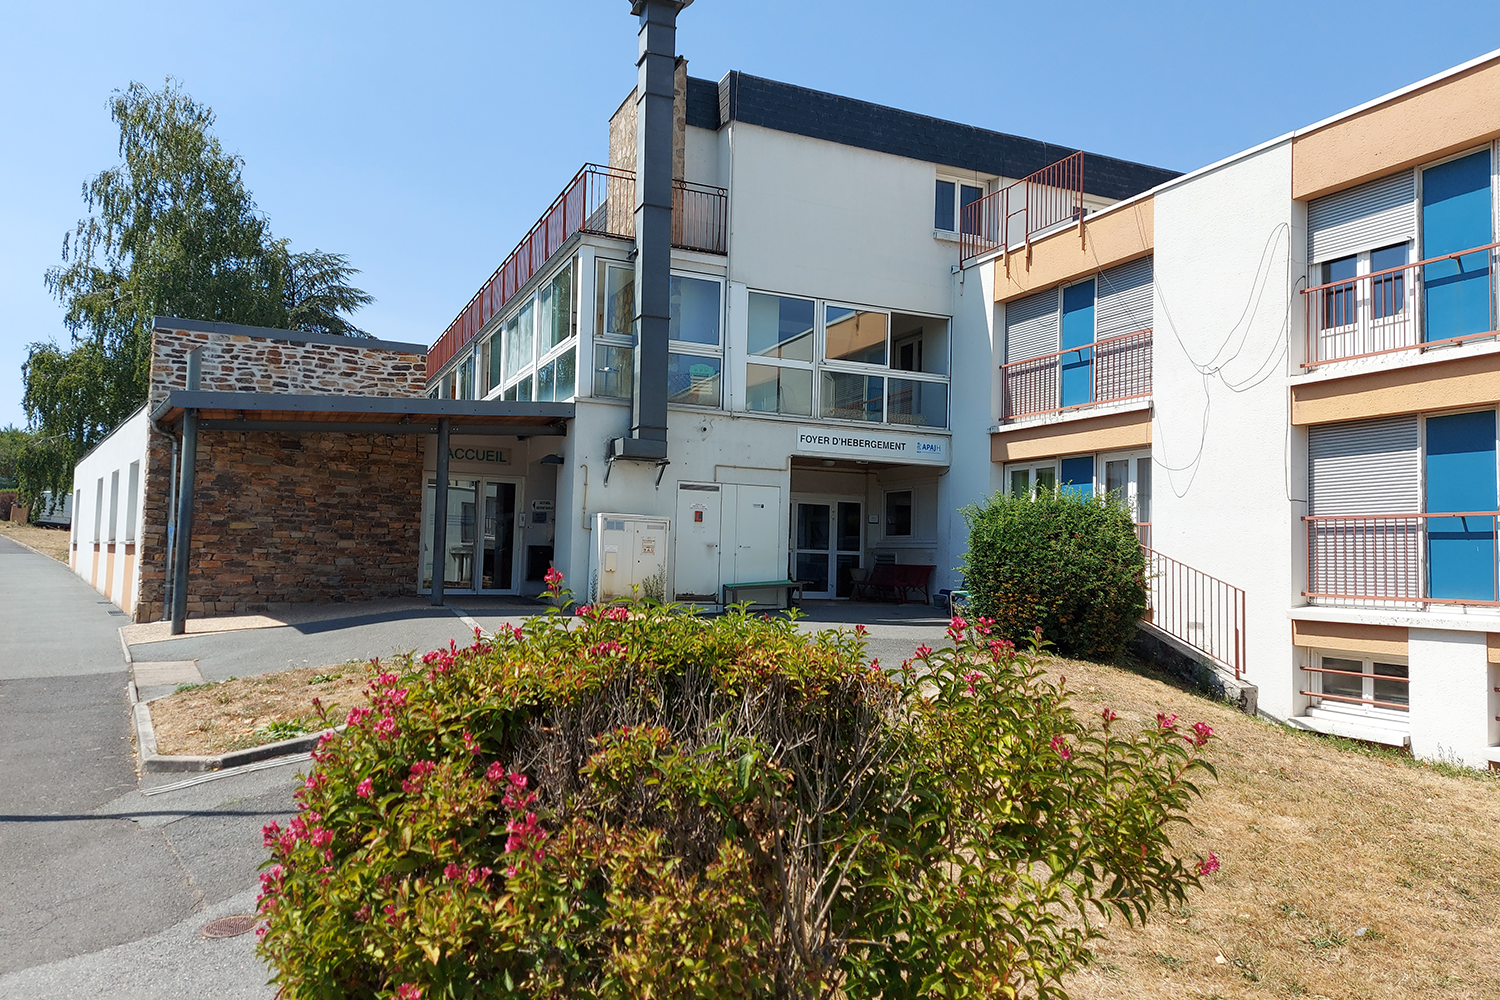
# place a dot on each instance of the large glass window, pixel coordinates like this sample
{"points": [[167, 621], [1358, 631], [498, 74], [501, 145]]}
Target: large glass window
{"points": [[557, 316], [780, 327], [615, 300], [693, 378], [1369, 687], [850, 396], [778, 389], [466, 379], [920, 404], [694, 310], [856, 335], [613, 371]]}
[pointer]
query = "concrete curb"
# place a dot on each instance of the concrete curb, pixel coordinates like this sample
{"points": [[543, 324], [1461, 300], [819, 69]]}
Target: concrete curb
{"points": [[151, 762]]}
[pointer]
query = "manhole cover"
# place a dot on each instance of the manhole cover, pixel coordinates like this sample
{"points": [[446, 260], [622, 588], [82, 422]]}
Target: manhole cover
{"points": [[227, 927]]}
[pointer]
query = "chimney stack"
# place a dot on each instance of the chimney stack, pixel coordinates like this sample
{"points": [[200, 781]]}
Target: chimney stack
{"points": [[656, 65]]}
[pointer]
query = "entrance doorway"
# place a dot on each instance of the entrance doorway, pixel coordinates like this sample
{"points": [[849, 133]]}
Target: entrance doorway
{"points": [[481, 543], [827, 541]]}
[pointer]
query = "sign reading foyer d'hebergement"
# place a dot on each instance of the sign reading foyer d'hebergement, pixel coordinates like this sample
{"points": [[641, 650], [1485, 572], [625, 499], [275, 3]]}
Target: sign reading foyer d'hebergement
{"points": [[874, 445]]}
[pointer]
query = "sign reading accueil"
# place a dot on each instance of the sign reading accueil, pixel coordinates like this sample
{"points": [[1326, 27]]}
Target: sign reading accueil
{"points": [[873, 446], [486, 456]]}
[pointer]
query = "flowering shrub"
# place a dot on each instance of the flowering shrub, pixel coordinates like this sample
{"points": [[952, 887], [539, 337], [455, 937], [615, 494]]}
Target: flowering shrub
{"points": [[1069, 565], [656, 804]]}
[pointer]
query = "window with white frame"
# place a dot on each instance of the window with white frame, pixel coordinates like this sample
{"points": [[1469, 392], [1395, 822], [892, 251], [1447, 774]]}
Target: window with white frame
{"points": [[1372, 686], [533, 353], [1030, 479], [614, 334], [843, 361], [695, 354], [950, 198]]}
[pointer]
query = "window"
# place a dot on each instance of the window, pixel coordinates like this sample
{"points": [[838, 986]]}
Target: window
{"points": [[556, 381], [489, 363], [1338, 302], [849, 396], [694, 310], [615, 300], [693, 378], [778, 389], [1371, 687], [133, 486], [898, 514], [919, 404], [1387, 288], [780, 327], [949, 201], [1029, 480], [1457, 215], [1077, 475], [558, 321], [466, 379], [856, 335], [613, 371]]}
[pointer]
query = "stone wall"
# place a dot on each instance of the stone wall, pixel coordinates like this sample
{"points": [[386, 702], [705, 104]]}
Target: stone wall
{"points": [[622, 126], [285, 517]]}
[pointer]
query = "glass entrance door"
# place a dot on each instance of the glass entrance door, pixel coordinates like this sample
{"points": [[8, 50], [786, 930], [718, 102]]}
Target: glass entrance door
{"points": [[481, 544], [828, 538]]}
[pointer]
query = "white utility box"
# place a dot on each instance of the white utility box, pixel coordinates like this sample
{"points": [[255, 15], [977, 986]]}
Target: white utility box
{"points": [[630, 557]]}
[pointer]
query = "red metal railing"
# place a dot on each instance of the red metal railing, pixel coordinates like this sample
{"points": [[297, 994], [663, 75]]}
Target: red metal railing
{"points": [[1016, 212], [1120, 369], [598, 200], [1381, 557], [1202, 611], [1346, 699], [1387, 311]]}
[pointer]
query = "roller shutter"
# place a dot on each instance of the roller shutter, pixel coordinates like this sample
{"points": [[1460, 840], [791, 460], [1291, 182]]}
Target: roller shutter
{"points": [[1373, 215], [1369, 467], [1031, 326], [1124, 304]]}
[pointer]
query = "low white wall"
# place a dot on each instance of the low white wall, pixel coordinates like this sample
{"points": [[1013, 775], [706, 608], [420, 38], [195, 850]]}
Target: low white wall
{"points": [[1452, 701], [104, 551]]}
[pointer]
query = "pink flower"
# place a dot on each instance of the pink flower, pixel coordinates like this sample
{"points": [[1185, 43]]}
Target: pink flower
{"points": [[923, 652], [584, 610], [357, 715], [406, 991], [452, 871], [1202, 731], [971, 678], [1061, 747], [471, 744], [365, 788], [618, 614], [495, 773], [553, 578], [386, 728], [860, 630], [1166, 721], [1209, 866], [1109, 715]]}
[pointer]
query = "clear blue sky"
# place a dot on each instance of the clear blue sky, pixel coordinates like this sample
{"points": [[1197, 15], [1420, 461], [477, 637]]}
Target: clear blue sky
{"points": [[423, 140]]}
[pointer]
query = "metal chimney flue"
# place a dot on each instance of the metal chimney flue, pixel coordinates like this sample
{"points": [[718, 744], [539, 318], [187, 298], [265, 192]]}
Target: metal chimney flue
{"points": [[655, 65]]}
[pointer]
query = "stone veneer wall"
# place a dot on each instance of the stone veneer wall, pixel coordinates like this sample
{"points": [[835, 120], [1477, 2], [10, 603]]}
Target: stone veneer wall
{"points": [[285, 517]]}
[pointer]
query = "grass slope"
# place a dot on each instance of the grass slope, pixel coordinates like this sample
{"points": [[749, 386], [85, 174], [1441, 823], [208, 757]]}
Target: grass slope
{"points": [[1348, 872]]}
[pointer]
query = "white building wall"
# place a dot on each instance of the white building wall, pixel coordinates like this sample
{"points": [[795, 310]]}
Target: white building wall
{"points": [[1452, 716], [1225, 494], [112, 568]]}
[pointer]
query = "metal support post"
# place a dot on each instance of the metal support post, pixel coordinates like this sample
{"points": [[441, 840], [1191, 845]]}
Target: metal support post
{"points": [[440, 516], [182, 535]]}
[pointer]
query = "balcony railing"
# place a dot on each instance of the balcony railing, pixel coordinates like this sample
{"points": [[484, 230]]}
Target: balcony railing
{"points": [[1200, 610], [1111, 370], [1015, 213], [1445, 300], [598, 200], [1410, 560]]}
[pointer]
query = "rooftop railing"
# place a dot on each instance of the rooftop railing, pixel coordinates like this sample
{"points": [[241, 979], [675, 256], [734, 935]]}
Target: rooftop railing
{"points": [[1446, 300], [600, 201], [1017, 212], [1110, 370]]}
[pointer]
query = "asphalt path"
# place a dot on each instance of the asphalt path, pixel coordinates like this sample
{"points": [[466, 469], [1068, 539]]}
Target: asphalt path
{"points": [[100, 880]]}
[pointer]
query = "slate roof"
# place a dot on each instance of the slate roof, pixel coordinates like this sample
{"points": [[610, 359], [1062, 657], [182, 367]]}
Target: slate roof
{"points": [[786, 107]]}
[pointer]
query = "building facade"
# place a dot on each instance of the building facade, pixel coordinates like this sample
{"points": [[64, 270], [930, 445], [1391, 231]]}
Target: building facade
{"points": [[862, 320]]}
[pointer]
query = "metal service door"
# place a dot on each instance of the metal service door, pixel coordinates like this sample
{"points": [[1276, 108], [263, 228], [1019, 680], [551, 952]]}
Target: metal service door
{"points": [[696, 574]]}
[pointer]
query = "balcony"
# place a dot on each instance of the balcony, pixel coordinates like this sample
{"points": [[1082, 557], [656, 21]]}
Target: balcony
{"points": [[1407, 561], [1441, 301], [1015, 213], [1106, 371], [599, 201]]}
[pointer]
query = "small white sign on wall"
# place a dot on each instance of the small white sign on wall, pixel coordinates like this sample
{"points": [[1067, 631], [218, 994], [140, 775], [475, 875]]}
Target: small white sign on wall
{"points": [[899, 447]]}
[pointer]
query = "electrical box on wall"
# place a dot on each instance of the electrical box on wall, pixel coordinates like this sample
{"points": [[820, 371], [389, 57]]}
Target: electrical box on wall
{"points": [[630, 558]]}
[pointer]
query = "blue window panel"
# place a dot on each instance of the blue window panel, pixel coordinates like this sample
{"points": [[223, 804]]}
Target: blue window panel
{"points": [[1461, 477], [1078, 331], [942, 208], [1078, 476], [1455, 217]]}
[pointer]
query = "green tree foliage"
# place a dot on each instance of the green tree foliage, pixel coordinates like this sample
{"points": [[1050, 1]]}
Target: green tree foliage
{"points": [[1067, 564], [644, 803], [12, 441], [171, 231]]}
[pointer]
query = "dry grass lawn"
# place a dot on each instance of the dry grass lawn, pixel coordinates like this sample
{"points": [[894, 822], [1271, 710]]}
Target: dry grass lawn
{"points": [[1347, 872], [48, 541], [250, 711]]}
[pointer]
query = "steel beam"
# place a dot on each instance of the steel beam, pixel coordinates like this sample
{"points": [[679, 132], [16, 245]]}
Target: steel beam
{"points": [[440, 516]]}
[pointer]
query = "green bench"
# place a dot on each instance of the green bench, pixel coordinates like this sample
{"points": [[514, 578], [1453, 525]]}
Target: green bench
{"points": [[787, 586]]}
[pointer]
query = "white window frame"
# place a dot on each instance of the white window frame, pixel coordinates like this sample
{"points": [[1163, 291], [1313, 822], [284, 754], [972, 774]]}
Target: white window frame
{"points": [[604, 338], [694, 349], [1367, 686], [1031, 469], [984, 187]]}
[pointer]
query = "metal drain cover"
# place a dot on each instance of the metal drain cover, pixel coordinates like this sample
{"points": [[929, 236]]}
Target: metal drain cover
{"points": [[228, 927]]}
